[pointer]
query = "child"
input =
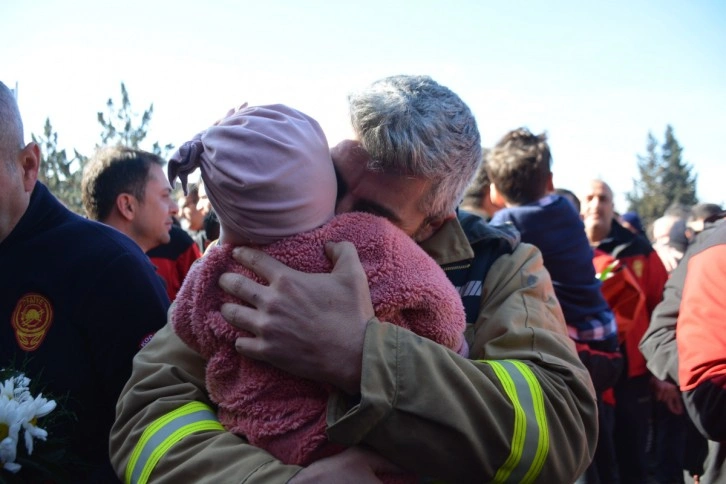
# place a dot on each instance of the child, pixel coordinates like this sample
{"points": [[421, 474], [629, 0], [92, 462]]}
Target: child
{"points": [[519, 170], [521, 180], [268, 173]]}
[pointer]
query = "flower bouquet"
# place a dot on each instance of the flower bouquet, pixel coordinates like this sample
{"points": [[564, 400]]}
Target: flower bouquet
{"points": [[20, 419]]}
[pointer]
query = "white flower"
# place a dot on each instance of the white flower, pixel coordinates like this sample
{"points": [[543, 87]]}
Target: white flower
{"points": [[8, 449], [31, 411], [19, 409], [10, 423], [16, 388]]}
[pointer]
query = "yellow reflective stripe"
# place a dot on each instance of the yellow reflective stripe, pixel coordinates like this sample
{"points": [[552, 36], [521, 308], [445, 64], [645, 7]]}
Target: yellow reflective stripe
{"points": [[543, 442], [515, 454], [163, 433], [175, 437], [530, 435], [151, 430]]}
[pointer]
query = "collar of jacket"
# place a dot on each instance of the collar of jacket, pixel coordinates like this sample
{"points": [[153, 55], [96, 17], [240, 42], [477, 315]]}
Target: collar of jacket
{"points": [[449, 244]]}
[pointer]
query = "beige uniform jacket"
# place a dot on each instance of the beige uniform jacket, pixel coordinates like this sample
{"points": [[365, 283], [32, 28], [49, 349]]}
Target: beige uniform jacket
{"points": [[522, 409]]}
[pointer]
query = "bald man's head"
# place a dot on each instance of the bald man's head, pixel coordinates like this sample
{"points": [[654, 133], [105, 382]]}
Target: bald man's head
{"points": [[11, 126], [598, 210], [18, 164]]}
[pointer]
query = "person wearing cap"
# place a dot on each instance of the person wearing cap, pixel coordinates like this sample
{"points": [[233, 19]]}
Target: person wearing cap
{"points": [[520, 408], [268, 173], [632, 222]]}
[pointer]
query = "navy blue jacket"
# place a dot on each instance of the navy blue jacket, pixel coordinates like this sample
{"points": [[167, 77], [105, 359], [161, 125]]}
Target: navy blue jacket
{"points": [[78, 299], [553, 226]]}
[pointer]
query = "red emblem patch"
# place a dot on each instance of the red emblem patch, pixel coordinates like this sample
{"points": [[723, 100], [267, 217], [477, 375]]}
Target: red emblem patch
{"points": [[31, 320]]}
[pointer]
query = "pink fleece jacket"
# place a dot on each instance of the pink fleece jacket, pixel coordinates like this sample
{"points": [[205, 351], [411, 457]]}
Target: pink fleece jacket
{"points": [[275, 410]]}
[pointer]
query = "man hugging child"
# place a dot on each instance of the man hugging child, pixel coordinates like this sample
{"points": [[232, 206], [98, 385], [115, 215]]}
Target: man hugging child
{"points": [[269, 175]]}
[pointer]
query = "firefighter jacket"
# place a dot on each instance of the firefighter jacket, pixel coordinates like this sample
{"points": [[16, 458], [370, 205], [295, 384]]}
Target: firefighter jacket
{"points": [[521, 409]]}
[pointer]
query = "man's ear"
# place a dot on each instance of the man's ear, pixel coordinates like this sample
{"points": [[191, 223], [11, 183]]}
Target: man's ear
{"points": [[496, 198], [30, 164], [550, 183], [432, 226], [436, 223], [126, 206]]}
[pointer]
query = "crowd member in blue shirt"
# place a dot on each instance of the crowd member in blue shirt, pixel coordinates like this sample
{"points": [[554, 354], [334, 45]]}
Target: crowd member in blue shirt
{"points": [[521, 180]]}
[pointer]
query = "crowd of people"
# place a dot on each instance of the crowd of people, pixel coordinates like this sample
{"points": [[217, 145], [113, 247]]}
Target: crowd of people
{"points": [[402, 307]]}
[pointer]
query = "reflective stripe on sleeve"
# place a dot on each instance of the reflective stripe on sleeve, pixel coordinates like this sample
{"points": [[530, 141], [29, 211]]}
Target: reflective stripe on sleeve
{"points": [[530, 439], [163, 433], [471, 288]]}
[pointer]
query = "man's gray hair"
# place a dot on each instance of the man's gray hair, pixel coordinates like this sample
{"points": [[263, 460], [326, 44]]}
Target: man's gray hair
{"points": [[11, 126], [413, 126]]}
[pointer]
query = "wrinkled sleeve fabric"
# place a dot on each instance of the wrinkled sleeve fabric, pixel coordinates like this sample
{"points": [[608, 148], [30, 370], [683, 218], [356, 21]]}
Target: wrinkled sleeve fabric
{"points": [[658, 344], [701, 338], [654, 281], [522, 409], [166, 428]]}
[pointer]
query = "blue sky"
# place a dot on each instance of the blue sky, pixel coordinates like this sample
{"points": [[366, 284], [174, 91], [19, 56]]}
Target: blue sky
{"points": [[597, 76]]}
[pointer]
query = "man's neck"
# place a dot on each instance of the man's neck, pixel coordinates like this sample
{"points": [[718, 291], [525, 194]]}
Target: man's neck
{"points": [[8, 221], [125, 227], [596, 234]]}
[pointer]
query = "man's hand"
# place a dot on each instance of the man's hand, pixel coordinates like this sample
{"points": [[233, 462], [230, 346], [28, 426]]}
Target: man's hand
{"points": [[667, 393], [669, 256], [311, 325], [354, 466]]}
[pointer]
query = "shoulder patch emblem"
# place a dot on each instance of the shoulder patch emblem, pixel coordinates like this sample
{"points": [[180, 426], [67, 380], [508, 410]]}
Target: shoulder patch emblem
{"points": [[638, 268], [31, 319]]}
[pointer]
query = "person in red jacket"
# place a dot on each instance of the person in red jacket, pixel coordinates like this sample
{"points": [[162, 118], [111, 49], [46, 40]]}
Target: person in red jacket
{"points": [[633, 407], [701, 339], [173, 259]]}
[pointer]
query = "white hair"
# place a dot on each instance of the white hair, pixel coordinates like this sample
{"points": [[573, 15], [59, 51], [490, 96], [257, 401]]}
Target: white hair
{"points": [[413, 126]]}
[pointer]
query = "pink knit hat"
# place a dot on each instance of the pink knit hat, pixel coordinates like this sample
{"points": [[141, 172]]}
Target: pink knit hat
{"points": [[267, 171]]}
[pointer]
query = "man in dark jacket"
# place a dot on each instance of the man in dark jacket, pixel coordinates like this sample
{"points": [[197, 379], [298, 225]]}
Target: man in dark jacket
{"points": [[78, 299]]}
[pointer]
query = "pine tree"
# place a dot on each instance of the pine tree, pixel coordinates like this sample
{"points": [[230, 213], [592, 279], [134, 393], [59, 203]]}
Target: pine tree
{"points": [[60, 174], [665, 180], [678, 181], [124, 127], [646, 198]]}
